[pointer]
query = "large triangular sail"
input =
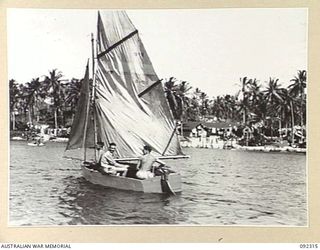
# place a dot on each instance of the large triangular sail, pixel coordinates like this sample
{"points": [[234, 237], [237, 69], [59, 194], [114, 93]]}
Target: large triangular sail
{"points": [[82, 121], [131, 108]]}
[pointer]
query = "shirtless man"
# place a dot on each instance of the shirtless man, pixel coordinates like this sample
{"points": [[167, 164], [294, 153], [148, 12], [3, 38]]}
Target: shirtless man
{"points": [[109, 165], [145, 164]]}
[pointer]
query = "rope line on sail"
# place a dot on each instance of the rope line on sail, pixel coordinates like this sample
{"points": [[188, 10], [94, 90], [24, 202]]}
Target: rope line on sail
{"points": [[171, 137], [149, 88], [117, 44]]}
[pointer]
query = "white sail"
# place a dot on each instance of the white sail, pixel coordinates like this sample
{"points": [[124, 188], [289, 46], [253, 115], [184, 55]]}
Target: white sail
{"points": [[131, 107]]}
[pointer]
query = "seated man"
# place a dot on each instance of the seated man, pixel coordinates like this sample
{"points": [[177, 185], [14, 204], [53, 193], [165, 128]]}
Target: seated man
{"points": [[109, 165], [145, 164], [101, 151]]}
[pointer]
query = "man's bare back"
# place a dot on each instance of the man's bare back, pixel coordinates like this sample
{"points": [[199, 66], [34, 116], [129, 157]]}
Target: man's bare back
{"points": [[146, 162]]}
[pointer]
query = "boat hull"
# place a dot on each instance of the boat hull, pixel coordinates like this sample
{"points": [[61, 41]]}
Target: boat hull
{"points": [[152, 185]]}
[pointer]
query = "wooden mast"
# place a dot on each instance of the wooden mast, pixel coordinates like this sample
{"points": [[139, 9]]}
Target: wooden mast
{"points": [[93, 99], [86, 123], [88, 109]]}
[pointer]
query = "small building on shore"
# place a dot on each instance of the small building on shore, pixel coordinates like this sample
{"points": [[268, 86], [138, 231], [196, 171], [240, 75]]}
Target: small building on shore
{"points": [[208, 134], [193, 129]]}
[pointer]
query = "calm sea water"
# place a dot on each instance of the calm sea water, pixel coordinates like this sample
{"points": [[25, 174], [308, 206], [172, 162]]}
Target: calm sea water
{"points": [[220, 187]]}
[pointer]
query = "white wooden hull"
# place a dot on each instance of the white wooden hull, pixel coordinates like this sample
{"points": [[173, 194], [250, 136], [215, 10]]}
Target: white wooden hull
{"points": [[152, 185]]}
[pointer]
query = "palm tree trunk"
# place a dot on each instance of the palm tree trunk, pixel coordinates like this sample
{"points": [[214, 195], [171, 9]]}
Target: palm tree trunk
{"points": [[33, 114], [292, 120], [247, 139], [13, 121], [181, 128], [38, 113], [56, 118], [244, 117], [301, 111], [29, 113], [280, 130], [63, 119], [25, 116], [243, 101]]}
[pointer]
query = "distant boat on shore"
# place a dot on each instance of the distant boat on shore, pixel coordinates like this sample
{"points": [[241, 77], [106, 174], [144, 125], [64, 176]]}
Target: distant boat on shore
{"points": [[17, 138], [60, 139], [35, 144]]}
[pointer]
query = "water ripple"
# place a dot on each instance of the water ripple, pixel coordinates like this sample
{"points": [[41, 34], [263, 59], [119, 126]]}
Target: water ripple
{"points": [[220, 187]]}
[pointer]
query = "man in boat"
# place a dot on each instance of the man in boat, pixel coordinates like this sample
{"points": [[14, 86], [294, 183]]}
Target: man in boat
{"points": [[145, 165], [108, 163], [101, 151]]}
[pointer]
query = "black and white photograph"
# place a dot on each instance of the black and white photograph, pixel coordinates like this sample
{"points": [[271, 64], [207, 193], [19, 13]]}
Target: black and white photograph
{"points": [[166, 117]]}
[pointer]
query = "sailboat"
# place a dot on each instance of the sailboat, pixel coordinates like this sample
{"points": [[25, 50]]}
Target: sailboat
{"points": [[126, 105]]}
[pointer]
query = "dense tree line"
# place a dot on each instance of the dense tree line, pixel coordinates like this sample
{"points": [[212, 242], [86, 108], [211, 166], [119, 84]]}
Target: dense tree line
{"points": [[271, 105], [53, 100]]}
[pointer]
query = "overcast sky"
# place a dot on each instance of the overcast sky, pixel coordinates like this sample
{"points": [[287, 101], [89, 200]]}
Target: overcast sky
{"points": [[211, 49]]}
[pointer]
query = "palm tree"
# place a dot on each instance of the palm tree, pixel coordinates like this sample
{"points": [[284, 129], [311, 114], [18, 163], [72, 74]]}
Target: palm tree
{"points": [[170, 91], [297, 90], [34, 95], [244, 106], [73, 92], [256, 102], [285, 109], [73, 89], [229, 107], [233, 109], [176, 94], [193, 110], [204, 104], [217, 108], [273, 92], [273, 97], [182, 95], [253, 91], [55, 89], [14, 95], [260, 108], [22, 104]]}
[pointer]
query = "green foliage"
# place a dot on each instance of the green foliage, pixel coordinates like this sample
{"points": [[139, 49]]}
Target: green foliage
{"points": [[54, 101]]}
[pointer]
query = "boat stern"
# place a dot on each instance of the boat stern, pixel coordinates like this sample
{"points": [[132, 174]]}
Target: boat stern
{"points": [[152, 185]]}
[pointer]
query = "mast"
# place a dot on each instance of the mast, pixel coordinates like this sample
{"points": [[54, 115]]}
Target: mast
{"points": [[86, 125], [93, 99], [88, 109]]}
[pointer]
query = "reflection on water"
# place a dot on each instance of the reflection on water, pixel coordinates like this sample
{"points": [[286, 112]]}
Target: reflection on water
{"points": [[85, 203], [220, 187]]}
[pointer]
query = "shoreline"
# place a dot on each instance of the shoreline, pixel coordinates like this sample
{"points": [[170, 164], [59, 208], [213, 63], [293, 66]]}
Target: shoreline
{"points": [[214, 143], [210, 143]]}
